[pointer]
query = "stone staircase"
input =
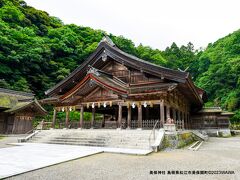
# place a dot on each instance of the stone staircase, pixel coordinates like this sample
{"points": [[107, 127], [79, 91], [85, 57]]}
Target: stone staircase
{"points": [[132, 139]]}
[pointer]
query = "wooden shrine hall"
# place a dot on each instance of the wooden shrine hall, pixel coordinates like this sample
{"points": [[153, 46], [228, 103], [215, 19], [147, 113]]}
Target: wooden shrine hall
{"points": [[126, 91], [17, 111]]}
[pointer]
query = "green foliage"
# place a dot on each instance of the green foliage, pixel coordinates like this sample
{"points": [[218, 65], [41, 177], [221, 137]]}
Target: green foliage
{"points": [[21, 85], [11, 13], [219, 71], [37, 51], [4, 84], [236, 118]]}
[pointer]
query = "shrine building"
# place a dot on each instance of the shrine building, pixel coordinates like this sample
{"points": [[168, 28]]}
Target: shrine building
{"points": [[129, 92]]}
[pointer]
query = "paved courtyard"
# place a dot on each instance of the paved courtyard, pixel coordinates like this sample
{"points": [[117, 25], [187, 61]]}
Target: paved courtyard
{"points": [[218, 154], [24, 157], [18, 159]]}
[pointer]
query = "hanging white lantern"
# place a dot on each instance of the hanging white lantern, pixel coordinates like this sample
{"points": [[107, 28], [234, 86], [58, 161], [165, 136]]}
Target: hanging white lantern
{"points": [[104, 104], [93, 105], [62, 109], [70, 109], [133, 105], [145, 104]]}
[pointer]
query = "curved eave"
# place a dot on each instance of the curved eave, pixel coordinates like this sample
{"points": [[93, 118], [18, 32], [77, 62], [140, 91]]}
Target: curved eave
{"points": [[34, 103], [97, 81], [105, 85], [78, 69]]}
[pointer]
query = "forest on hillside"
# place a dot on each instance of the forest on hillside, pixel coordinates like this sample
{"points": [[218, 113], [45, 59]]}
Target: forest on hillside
{"points": [[37, 51]]}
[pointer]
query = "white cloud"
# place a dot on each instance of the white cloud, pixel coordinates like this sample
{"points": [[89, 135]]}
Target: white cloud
{"points": [[156, 23]]}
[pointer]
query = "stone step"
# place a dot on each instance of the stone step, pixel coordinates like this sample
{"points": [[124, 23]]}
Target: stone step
{"points": [[77, 138], [76, 144], [98, 145], [106, 142], [99, 142], [103, 138]]}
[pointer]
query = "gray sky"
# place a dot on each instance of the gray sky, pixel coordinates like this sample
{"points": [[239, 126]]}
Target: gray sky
{"points": [[156, 23]]}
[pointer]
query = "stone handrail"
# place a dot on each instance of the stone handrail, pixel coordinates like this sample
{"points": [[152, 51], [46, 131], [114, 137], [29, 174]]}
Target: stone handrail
{"points": [[25, 139], [158, 141], [153, 133]]}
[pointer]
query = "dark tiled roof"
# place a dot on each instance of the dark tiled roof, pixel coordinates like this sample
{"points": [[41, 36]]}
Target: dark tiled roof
{"points": [[112, 50], [13, 101]]}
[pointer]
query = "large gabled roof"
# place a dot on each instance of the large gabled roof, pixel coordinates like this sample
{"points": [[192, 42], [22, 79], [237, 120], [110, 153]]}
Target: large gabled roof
{"points": [[107, 47]]}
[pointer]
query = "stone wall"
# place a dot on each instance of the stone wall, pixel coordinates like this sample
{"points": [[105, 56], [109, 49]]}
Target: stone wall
{"points": [[178, 140]]}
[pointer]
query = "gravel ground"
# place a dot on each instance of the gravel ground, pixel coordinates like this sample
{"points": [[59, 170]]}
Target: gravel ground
{"points": [[218, 154]]}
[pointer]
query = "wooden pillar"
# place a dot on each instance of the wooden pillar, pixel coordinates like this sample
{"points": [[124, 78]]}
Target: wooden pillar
{"points": [[103, 123], [147, 113], [183, 120], [174, 115], [67, 118], [186, 120], [54, 118], [168, 112], [15, 121], [129, 117], [81, 117], [179, 120], [93, 118], [162, 113], [116, 114], [140, 116], [189, 122], [120, 116]]}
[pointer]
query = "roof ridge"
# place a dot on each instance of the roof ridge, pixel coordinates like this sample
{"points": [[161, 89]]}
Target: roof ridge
{"points": [[107, 40], [147, 62]]}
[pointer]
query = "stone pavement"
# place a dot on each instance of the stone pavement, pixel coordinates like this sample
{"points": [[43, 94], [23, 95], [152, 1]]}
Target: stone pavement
{"points": [[26, 157], [20, 159]]}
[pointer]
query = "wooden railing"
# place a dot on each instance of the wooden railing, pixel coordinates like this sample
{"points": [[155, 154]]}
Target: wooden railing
{"points": [[146, 124]]}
